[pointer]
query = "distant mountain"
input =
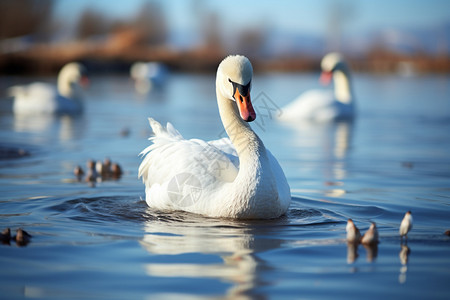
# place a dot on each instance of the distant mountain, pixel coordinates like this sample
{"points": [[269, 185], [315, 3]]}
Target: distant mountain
{"points": [[432, 41], [280, 43], [277, 43]]}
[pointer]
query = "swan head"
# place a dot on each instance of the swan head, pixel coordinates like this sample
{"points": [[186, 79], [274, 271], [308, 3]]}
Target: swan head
{"points": [[71, 74], [330, 63], [233, 82]]}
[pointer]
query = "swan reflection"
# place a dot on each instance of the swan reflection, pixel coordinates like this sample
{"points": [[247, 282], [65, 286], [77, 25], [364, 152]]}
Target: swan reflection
{"points": [[327, 143], [234, 243], [331, 140], [64, 127]]}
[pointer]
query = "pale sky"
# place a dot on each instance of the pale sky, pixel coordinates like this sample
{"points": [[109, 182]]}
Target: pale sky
{"points": [[287, 15]]}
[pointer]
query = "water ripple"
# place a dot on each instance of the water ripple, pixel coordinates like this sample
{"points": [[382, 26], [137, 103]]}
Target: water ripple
{"points": [[103, 209]]}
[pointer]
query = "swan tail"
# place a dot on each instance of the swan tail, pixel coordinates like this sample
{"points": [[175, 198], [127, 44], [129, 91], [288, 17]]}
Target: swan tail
{"points": [[15, 91], [161, 139], [159, 130]]}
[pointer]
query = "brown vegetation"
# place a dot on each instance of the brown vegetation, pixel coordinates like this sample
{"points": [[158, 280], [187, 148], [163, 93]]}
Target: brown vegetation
{"points": [[112, 45]]}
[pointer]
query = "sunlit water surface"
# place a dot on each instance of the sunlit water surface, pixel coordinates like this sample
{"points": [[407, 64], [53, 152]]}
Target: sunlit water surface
{"points": [[104, 242]]}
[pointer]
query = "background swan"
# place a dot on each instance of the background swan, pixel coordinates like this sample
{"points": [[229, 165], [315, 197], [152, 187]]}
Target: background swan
{"points": [[234, 178], [147, 75], [325, 105], [44, 98]]}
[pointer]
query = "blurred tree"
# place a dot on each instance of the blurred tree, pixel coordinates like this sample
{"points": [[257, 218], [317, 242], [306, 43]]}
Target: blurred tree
{"points": [[150, 22], [251, 41], [211, 30], [91, 23], [26, 17], [340, 13]]}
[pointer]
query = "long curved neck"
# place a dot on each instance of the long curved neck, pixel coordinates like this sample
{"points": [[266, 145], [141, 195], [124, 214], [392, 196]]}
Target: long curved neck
{"points": [[250, 148], [241, 135], [342, 86], [64, 87]]}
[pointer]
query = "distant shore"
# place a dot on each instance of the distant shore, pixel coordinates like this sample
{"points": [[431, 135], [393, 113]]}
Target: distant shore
{"points": [[114, 57]]}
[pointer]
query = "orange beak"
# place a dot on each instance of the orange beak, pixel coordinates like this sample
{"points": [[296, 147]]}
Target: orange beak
{"points": [[325, 77], [245, 106]]}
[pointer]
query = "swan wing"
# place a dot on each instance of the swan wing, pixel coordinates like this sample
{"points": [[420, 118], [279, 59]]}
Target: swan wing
{"points": [[313, 105], [34, 98], [33, 90], [317, 105], [225, 145], [171, 158]]}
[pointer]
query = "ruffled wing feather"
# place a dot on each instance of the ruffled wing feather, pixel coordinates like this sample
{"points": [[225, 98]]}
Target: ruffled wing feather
{"points": [[171, 156]]}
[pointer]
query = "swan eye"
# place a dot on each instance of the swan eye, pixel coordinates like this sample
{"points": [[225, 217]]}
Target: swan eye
{"points": [[244, 90]]}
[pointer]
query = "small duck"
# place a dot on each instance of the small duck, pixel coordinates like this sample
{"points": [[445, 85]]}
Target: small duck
{"points": [[78, 172], [353, 234], [116, 171], [102, 172], [406, 224], [5, 236], [371, 235], [107, 165], [22, 237], [106, 171], [92, 172]]}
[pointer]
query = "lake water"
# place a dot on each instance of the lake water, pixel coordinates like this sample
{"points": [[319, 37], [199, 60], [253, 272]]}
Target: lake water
{"points": [[103, 242]]}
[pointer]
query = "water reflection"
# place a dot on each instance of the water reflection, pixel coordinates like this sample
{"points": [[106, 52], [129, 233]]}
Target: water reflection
{"points": [[352, 252], [328, 143], [405, 251], [332, 140], [64, 127], [371, 251], [236, 247]]}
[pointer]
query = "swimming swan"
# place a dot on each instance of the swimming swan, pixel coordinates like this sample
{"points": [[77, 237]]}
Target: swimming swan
{"points": [[44, 98], [235, 177], [325, 105]]}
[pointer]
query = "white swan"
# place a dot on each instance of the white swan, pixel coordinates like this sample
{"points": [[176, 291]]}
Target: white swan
{"points": [[324, 105], [232, 178], [44, 98], [148, 75]]}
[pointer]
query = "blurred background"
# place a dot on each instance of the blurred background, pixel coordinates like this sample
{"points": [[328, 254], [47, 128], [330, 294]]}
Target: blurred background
{"points": [[94, 237], [405, 36]]}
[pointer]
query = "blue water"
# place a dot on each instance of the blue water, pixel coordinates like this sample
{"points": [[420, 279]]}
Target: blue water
{"points": [[103, 242]]}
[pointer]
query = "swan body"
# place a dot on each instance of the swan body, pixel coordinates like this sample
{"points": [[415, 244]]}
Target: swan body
{"points": [[43, 98], [147, 75], [325, 105], [235, 177]]}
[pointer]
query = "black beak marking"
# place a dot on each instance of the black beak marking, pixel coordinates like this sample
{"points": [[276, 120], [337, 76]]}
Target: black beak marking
{"points": [[244, 90]]}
